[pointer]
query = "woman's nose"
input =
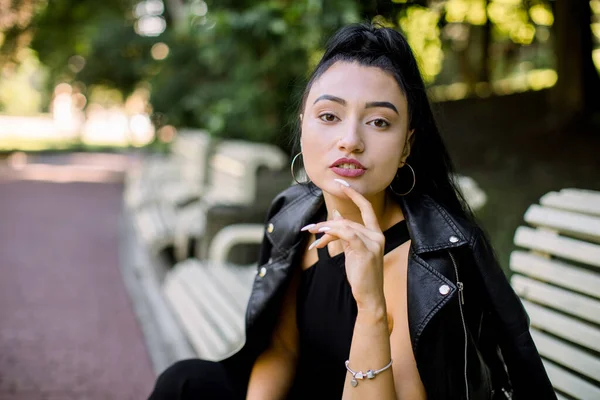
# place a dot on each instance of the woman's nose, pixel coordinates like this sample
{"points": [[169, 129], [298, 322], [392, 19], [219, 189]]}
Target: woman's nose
{"points": [[351, 140]]}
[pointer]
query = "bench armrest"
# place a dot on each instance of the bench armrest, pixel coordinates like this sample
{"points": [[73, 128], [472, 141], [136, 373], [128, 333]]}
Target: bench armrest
{"points": [[232, 235]]}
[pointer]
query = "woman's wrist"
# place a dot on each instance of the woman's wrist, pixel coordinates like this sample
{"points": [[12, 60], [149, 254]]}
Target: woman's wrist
{"points": [[372, 312]]}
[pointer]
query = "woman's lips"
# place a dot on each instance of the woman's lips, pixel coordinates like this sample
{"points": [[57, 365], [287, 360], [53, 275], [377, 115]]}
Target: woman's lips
{"points": [[348, 172]]}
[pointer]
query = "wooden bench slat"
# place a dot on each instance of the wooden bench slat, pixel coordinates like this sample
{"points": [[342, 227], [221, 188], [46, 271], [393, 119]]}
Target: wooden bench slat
{"points": [[216, 296], [204, 341], [239, 279], [565, 327], [560, 299], [566, 355], [555, 272], [218, 286], [574, 224], [198, 321], [225, 317], [560, 397], [573, 200], [587, 193], [573, 249], [570, 384]]}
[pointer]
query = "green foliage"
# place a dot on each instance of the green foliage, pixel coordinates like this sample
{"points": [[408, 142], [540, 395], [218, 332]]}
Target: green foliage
{"points": [[237, 67], [20, 86], [236, 71], [67, 28]]}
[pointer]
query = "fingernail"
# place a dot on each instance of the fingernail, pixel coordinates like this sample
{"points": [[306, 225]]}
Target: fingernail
{"points": [[336, 213], [343, 182], [307, 227], [324, 229], [313, 244]]}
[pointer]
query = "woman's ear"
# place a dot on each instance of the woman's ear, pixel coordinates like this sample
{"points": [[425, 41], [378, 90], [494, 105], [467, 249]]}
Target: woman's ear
{"points": [[410, 139]]}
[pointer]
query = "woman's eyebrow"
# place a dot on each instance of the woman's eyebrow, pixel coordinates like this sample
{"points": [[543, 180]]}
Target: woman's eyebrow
{"points": [[331, 98], [385, 104], [372, 104]]}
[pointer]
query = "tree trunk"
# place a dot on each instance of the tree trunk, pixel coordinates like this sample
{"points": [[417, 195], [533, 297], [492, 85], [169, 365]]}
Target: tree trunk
{"points": [[176, 11], [578, 83], [486, 40]]}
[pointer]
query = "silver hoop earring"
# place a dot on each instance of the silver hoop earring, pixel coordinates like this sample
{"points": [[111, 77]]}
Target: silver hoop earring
{"points": [[292, 169], [413, 185]]}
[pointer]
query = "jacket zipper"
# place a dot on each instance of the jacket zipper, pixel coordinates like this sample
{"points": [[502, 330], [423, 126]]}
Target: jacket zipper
{"points": [[461, 297]]}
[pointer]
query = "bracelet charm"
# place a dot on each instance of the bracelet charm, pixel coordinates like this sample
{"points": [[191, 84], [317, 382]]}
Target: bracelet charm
{"points": [[370, 374]]}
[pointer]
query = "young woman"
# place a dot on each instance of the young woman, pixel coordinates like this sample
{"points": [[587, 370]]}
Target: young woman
{"points": [[374, 281]]}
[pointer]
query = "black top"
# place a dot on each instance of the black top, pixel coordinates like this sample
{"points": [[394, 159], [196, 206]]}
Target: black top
{"points": [[326, 313]]}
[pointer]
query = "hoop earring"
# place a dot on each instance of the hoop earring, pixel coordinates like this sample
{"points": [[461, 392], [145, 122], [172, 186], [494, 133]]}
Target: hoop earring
{"points": [[292, 169], [413, 185]]}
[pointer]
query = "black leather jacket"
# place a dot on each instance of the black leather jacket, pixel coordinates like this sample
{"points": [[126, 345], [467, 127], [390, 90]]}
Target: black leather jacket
{"points": [[467, 326]]}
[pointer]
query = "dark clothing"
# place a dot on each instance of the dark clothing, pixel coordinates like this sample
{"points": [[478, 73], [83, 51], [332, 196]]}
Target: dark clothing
{"points": [[326, 313], [469, 330], [198, 379]]}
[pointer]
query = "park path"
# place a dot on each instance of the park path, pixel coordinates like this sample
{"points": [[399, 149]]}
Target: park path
{"points": [[67, 327]]}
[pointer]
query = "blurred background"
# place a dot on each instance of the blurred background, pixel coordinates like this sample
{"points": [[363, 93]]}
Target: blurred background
{"points": [[119, 117]]}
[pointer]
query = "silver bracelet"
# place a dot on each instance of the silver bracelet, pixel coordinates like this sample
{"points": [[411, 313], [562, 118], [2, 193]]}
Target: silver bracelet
{"points": [[361, 375]]}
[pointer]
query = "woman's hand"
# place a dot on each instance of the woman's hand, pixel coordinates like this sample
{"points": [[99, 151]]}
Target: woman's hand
{"points": [[363, 248]]}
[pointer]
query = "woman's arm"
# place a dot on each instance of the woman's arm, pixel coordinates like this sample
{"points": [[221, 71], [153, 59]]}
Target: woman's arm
{"points": [[372, 339], [370, 349], [273, 372]]}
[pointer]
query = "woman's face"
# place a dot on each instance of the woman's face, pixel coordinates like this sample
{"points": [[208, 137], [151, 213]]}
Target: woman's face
{"points": [[355, 128]]}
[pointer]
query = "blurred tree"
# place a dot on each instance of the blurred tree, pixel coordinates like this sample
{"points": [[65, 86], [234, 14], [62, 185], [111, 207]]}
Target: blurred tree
{"points": [[15, 27], [234, 66], [575, 95], [73, 36]]}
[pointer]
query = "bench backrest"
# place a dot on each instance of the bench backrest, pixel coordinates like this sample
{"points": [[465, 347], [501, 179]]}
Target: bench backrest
{"points": [[557, 276], [192, 150], [239, 168]]}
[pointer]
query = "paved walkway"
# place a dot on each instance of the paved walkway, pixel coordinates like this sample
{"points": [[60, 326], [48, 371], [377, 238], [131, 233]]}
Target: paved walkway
{"points": [[67, 327]]}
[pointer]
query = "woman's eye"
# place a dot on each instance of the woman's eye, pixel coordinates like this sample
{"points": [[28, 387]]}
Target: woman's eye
{"points": [[327, 117], [380, 123]]}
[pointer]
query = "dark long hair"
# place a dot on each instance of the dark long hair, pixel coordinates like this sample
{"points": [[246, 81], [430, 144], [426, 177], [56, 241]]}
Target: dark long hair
{"points": [[387, 49]]}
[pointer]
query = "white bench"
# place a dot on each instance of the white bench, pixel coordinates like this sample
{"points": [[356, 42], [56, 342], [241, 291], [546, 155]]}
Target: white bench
{"points": [[171, 178], [557, 276], [244, 178], [242, 174], [473, 194], [209, 298]]}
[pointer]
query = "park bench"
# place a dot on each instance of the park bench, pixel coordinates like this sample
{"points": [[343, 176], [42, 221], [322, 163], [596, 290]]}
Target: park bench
{"points": [[209, 297], [473, 194], [246, 177], [556, 273], [171, 178], [243, 178]]}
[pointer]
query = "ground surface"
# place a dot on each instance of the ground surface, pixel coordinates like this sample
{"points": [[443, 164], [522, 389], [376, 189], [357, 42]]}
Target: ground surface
{"points": [[67, 327]]}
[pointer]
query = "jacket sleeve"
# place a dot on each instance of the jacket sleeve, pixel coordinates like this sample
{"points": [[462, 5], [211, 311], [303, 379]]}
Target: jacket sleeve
{"points": [[524, 366]]}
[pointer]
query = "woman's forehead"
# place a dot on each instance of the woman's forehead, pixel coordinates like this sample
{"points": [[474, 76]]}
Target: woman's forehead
{"points": [[355, 82]]}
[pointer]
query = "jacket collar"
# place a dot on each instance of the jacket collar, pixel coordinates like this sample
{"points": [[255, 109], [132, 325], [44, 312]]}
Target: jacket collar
{"points": [[431, 227]]}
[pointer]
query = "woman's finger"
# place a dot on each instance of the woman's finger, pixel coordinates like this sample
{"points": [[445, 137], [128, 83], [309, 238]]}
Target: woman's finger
{"points": [[364, 205], [357, 240], [341, 223]]}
